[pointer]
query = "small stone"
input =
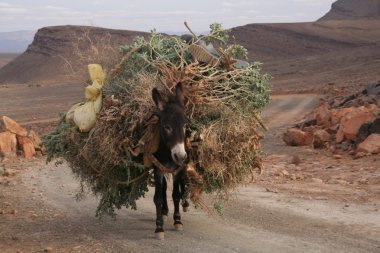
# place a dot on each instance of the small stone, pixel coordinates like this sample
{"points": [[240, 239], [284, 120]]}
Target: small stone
{"points": [[271, 190], [296, 137], [347, 205], [293, 177], [279, 174], [48, 249], [295, 160], [341, 182], [317, 180], [13, 211], [285, 172], [14, 238], [321, 198], [359, 155], [337, 156]]}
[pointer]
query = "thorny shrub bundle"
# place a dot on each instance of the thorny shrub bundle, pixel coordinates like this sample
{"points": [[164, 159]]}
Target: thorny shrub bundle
{"points": [[223, 104]]}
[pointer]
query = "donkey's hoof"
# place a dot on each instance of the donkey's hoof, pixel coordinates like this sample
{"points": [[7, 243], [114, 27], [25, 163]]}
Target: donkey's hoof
{"points": [[185, 209], [178, 227], [160, 235], [164, 218]]}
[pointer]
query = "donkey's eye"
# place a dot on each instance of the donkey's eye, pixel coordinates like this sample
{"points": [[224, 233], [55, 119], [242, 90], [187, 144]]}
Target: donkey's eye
{"points": [[168, 128]]}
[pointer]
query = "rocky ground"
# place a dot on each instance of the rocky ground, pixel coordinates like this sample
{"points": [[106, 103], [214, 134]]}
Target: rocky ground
{"points": [[318, 202]]}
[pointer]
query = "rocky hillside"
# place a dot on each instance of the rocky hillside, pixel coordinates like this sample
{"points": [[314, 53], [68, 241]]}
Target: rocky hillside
{"points": [[309, 56], [353, 9], [59, 53]]}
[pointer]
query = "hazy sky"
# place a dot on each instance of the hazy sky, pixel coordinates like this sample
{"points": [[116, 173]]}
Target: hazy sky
{"points": [[165, 15]]}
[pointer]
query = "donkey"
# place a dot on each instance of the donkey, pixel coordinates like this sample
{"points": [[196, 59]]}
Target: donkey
{"points": [[172, 154]]}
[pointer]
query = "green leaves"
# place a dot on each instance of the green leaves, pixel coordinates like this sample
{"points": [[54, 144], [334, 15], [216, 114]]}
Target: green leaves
{"points": [[217, 33]]}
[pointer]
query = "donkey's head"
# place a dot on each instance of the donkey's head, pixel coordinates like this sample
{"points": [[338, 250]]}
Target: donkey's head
{"points": [[172, 123]]}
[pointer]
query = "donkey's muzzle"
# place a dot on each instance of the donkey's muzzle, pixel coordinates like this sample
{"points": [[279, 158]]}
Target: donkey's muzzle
{"points": [[179, 154]]}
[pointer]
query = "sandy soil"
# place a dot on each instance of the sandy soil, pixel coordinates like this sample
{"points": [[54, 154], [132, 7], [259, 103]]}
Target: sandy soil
{"points": [[38, 106], [273, 214]]}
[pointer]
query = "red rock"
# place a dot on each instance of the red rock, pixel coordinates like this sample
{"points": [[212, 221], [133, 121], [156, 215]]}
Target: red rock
{"points": [[338, 114], [322, 114], [14, 127], [320, 138], [370, 145], [296, 137], [8, 144], [351, 123], [27, 146], [35, 139]]}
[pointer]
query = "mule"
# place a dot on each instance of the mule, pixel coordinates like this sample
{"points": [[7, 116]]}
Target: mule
{"points": [[172, 154]]}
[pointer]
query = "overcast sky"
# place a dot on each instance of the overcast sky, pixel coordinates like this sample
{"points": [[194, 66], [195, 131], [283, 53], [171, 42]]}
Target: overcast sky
{"points": [[164, 15]]}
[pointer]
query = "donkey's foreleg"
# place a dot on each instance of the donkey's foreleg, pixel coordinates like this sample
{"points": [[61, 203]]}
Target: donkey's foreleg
{"points": [[158, 201], [176, 199], [182, 184], [165, 208]]}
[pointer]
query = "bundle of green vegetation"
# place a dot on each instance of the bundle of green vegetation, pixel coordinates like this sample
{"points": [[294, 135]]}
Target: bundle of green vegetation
{"points": [[223, 102]]}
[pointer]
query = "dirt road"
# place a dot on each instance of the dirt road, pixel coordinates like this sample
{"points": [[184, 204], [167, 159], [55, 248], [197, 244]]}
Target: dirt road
{"points": [[40, 214]]}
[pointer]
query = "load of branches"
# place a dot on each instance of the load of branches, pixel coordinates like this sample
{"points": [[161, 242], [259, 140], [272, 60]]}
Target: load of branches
{"points": [[223, 101]]}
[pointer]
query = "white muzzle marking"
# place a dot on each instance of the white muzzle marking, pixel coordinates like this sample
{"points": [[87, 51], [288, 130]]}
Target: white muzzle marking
{"points": [[179, 153]]}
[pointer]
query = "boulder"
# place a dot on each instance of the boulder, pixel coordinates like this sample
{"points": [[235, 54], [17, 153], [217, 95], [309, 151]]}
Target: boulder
{"points": [[296, 137], [322, 115], [364, 132], [370, 145], [14, 127], [26, 145], [338, 114], [35, 139], [8, 144], [351, 123], [375, 126], [321, 137]]}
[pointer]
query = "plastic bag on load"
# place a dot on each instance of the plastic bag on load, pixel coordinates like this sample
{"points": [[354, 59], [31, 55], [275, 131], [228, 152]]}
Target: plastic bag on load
{"points": [[84, 114], [70, 113]]}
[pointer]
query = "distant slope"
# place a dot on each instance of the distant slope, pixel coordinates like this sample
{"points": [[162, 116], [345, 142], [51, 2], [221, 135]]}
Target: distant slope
{"points": [[5, 58], [61, 53], [15, 42], [353, 9]]}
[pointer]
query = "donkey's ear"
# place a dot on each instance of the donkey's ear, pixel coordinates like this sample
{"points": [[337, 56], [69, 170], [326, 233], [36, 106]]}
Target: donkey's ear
{"points": [[179, 94], [157, 98]]}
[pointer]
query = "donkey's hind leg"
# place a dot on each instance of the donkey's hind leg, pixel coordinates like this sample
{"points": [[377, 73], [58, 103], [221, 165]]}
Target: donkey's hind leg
{"points": [[176, 199], [158, 201]]}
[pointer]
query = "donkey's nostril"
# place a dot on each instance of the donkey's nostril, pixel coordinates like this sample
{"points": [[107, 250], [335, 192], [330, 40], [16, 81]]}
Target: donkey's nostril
{"points": [[176, 158]]}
